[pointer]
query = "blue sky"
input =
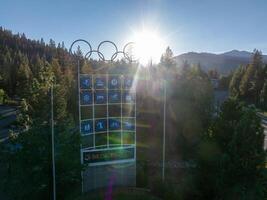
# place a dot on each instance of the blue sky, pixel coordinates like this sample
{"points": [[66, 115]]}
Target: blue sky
{"points": [[199, 25]]}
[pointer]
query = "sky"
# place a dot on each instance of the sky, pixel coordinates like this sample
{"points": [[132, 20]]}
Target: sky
{"points": [[185, 25]]}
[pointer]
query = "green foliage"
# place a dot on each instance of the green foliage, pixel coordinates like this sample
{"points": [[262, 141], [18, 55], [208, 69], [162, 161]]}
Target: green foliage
{"points": [[213, 73], [165, 190], [23, 76], [224, 82], [142, 174], [28, 163], [29, 69], [231, 157], [167, 60], [190, 105], [22, 61], [263, 96], [2, 96], [248, 81], [235, 82], [23, 117]]}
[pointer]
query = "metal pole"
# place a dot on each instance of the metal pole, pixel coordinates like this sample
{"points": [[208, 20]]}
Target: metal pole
{"points": [[79, 110], [53, 142], [164, 132]]}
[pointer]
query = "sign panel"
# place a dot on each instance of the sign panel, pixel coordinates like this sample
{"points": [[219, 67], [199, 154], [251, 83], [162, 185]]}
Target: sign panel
{"points": [[86, 82], [86, 98], [87, 127], [100, 97], [114, 97], [108, 116], [108, 155]]}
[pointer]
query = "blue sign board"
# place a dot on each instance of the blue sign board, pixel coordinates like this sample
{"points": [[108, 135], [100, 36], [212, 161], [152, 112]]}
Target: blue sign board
{"points": [[114, 124], [86, 97], [100, 125], [114, 97], [128, 97], [114, 82], [128, 82], [87, 127], [86, 82], [128, 124], [100, 82], [100, 97], [109, 104]]}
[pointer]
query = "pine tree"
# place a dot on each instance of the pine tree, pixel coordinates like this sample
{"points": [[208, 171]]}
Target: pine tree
{"points": [[213, 73], [23, 77], [166, 59], [246, 83], [231, 157], [253, 79], [263, 96], [258, 79], [235, 82]]}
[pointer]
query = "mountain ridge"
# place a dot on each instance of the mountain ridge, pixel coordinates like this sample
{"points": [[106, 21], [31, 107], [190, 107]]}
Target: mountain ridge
{"points": [[223, 62]]}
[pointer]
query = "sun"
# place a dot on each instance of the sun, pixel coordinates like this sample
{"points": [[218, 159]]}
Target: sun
{"points": [[148, 46]]}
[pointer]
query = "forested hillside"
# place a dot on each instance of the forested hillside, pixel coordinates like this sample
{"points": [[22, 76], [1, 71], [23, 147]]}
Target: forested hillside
{"points": [[195, 133], [224, 63], [249, 82]]}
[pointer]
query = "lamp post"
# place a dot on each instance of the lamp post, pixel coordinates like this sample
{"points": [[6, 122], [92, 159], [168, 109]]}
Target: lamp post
{"points": [[53, 142], [164, 131], [164, 125]]}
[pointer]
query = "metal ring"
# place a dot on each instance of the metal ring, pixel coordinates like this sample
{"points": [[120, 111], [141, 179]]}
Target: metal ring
{"points": [[81, 40], [107, 41], [126, 54], [116, 54], [101, 56]]}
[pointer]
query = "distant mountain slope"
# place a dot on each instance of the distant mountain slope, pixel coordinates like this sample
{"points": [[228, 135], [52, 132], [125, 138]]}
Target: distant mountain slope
{"points": [[224, 62]]}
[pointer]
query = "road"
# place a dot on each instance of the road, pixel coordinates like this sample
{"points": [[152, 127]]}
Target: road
{"points": [[7, 117], [264, 124]]}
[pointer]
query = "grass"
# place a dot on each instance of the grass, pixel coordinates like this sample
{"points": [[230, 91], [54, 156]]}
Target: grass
{"points": [[118, 195]]}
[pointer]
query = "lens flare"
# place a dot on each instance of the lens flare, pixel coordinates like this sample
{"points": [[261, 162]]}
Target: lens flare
{"points": [[149, 46]]}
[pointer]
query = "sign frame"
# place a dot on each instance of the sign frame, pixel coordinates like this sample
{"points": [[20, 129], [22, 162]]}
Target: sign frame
{"points": [[123, 90]]}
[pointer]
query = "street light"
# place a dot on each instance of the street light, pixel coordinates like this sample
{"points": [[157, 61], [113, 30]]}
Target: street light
{"points": [[53, 142], [164, 131]]}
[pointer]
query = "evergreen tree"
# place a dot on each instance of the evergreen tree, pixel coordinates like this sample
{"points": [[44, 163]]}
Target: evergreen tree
{"points": [[263, 97], [252, 80], [23, 77], [258, 79], [235, 81], [167, 60], [231, 157], [213, 74]]}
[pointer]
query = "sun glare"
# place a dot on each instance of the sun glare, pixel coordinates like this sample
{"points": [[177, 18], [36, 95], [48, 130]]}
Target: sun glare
{"points": [[149, 46]]}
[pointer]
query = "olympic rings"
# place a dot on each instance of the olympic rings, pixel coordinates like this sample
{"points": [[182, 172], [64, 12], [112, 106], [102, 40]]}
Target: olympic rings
{"points": [[128, 57], [81, 40], [100, 54]]}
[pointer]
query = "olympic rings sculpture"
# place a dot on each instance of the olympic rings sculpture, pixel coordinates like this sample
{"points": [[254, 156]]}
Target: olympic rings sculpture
{"points": [[88, 54]]}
